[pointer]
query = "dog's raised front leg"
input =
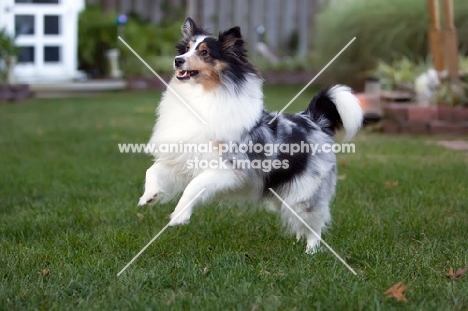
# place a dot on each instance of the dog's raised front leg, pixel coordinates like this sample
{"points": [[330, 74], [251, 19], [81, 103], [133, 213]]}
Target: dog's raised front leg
{"points": [[153, 188], [213, 182]]}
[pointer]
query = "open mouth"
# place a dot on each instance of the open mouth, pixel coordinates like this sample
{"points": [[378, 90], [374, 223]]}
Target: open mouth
{"points": [[186, 74]]}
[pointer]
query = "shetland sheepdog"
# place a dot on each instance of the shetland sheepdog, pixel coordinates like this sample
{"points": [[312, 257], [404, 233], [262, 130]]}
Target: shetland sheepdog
{"points": [[215, 98]]}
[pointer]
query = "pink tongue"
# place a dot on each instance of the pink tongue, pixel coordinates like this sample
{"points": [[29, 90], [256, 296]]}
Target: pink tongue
{"points": [[183, 74]]}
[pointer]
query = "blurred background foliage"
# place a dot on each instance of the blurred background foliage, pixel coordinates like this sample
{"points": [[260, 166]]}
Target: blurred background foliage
{"points": [[98, 33], [8, 48], [391, 42], [386, 31]]}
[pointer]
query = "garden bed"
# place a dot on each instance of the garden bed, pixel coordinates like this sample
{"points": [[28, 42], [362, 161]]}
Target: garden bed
{"points": [[14, 92], [432, 120]]}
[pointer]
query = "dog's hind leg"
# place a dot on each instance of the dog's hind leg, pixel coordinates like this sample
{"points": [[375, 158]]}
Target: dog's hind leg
{"points": [[317, 223], [317, 216], [315, 219], [201, 189], [312, 210]]}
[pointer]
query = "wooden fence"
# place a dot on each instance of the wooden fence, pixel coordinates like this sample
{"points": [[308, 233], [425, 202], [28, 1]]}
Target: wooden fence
{"points": [[154, 10], [287, 24]]}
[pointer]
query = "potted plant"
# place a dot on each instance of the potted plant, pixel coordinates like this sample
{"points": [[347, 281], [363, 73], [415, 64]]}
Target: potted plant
{"points": [[452, 101], [4, 88], [6, 50], [398, 78], [113, 54], [97, 34], [8, 58]]}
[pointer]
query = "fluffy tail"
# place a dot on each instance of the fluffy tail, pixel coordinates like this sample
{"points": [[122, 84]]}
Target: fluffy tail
{"points": [[336, 107]]}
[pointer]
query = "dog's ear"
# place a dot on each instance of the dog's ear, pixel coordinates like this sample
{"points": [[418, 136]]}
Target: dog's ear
{"points": [[232, 42], [189, 28]]}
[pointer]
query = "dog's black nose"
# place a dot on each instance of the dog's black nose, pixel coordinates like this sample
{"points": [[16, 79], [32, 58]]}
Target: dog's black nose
{"points": [[179, 61]]}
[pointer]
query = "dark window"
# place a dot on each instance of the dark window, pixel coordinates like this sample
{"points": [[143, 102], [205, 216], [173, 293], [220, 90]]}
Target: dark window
{"points": [[51, 54], [38, 1], [26, 54], [51, 25], [24, 25]]}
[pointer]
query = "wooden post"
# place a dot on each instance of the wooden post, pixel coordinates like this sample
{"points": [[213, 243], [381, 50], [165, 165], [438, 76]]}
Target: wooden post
{"points": [[435, 35], [142, 7], [109, 5], [124, 6], [156, 14], [272, 15], [303, 25], [450, 40], [192, 10], [255, 20], [209, 21], [225, 15]]}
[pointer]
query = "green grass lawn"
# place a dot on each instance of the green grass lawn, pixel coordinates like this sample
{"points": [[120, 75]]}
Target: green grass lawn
{"points": [[69, 223]]}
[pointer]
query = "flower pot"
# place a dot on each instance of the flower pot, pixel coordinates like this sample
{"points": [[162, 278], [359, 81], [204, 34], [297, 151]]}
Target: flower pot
{"points": [[113, 58], [10, 62]]}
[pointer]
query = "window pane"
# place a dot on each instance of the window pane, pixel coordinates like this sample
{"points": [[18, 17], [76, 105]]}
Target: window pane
{"points": [[24, 25], [51, 25], [26, 54], [38, 1], [51, 54]]}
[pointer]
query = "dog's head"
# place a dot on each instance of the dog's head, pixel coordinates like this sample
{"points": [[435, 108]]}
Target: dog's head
{"points": [[211, 61]]}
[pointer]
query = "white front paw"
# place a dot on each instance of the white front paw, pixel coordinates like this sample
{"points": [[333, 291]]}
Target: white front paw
{"points": [[298, 236], [313, 248], [178, 218], [147, 199]]}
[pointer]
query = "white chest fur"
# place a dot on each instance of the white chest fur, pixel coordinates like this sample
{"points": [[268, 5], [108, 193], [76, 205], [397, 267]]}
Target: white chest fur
{"points": [[228, 114]]}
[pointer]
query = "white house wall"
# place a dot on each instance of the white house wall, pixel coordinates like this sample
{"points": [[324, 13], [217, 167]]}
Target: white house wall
{"points": [[39, 71]]}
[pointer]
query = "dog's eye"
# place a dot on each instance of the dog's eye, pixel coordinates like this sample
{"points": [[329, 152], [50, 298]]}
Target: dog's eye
{"points": [[204, 52], [187, 48]]}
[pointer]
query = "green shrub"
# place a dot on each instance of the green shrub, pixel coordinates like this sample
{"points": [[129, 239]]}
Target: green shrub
{"points": [[384, 30], [404, 71], [401, 71], [154, 44], [8, 48], [98, 33], [452, 93]]}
